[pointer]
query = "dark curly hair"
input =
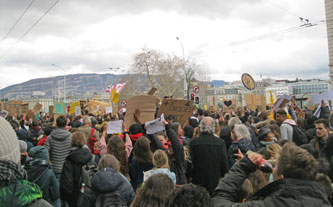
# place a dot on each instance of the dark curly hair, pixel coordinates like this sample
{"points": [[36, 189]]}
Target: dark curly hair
{"points": [[189, 195]]}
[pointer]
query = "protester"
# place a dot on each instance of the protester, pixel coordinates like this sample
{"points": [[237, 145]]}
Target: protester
{"points": [[116, 147], [58, 145], [35, 132], [189, 195], [176, 155], [47, 131], [15, 189], [318, 142], [294, 183], [286, 125], [209, 156], [241, 142], [188, 135], [107, 183], [40, 172], [266, 137], [141, 161], [88, 130], [71, 173], [154, 192], [161, 163]]}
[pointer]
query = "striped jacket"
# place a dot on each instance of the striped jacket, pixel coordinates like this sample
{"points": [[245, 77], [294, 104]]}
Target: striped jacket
{"points": [[58, 143]]}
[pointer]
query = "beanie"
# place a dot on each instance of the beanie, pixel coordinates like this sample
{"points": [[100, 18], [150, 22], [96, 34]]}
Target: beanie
{"points": [[23, 146], [39, 153], [9, 146]]}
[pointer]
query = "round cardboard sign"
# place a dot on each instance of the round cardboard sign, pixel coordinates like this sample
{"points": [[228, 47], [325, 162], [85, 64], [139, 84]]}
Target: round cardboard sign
{"points": [[248, 81], [196, 89]]}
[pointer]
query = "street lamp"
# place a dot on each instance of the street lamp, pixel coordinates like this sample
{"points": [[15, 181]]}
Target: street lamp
{"points": [[54, 65], [185, 81]]}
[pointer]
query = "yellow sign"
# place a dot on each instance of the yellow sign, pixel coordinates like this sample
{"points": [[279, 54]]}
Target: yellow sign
{"points": [[72, 107]]}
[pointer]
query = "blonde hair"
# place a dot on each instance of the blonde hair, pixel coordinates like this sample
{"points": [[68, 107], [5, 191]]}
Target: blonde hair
{"points": [[160, 159], [78, 139], [273, 150]]}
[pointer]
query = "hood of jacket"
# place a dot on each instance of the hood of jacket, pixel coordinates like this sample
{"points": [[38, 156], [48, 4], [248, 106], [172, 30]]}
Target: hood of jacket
{"points": [[39, 153], [60, 134], [20, 193], [289, 121], [79, 155], [106, 180], [35, 169]]}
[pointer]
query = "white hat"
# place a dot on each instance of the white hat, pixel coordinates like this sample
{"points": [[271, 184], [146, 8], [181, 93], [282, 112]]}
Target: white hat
{"points": [[9, 146]]}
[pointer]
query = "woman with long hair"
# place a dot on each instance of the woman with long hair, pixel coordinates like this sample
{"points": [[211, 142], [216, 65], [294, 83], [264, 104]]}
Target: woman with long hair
{"points": [[154, 192], [116, 147], [141, 161]]}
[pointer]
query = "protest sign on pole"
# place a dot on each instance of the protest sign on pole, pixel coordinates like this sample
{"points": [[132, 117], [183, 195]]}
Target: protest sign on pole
{"points": [[97, 107], [60, 108], [51, 108], [24, 108], [181, 109], [146, 105], [37, 107]]}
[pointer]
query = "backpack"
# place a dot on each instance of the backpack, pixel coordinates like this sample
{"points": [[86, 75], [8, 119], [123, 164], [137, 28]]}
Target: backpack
{"points": [[299, 135], [111, 199], [87, 171], [92, 141]]}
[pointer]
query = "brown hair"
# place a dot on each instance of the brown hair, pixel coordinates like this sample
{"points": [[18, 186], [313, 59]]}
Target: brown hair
{"points": [[116, 147], [295, 162], [109, 161], [154, 192], [160, 159], [141, 152], [78, 139]]}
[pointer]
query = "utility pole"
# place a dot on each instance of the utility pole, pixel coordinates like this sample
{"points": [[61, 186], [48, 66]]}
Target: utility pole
{"points": [[329, 25]]}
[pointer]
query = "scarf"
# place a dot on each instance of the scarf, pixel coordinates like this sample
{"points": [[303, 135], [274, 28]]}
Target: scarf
{"points": [[135, 137], [10, 171]]}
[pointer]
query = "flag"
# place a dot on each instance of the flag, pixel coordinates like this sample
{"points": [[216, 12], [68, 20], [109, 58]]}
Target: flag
{"points": [[108, 90], [116, 90]]}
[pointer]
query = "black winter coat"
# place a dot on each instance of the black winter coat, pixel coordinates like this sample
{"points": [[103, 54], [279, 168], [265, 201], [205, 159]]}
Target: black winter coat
{"points": [[70, 176], [108, 180], [209, 159], [177, 162], [281, 193], [40, 172]]}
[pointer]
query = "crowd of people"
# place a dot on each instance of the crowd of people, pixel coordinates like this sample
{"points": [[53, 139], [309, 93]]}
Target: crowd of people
{"points": [[274, 157]]}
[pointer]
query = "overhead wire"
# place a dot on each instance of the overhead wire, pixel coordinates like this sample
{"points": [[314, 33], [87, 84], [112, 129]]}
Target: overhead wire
{"points": [[256, 38], [17, 21], [32, 26]]}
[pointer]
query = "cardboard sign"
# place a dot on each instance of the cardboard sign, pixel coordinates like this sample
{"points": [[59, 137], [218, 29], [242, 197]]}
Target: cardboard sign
{"points": [[229, 104], [31, 114], [24, 108], [181, 109], [146, 105], [152, 91], [72, 107], [51, 108], [115, 127], [155, 126], [255, 101], [60, 108], [97, 107], [37, 107]]}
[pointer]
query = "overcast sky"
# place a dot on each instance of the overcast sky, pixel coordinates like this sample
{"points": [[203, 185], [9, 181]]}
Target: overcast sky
{"points": [[84, 36]]}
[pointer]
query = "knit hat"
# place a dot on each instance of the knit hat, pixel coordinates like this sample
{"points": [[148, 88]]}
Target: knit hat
{"points": [[23, 146], [263, 131], [39, 153], [9, 146]]}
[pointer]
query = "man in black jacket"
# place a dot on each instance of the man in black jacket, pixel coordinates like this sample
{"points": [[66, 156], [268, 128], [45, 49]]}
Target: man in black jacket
{"points": [[209, 156], [294, 183]]}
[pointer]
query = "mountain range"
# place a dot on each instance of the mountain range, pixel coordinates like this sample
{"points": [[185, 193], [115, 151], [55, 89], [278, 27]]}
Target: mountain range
{"points": [[75, 85]]}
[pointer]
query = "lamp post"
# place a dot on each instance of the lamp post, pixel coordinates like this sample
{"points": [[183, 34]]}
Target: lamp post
{"points": [[185, 81], [54, 65]]}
